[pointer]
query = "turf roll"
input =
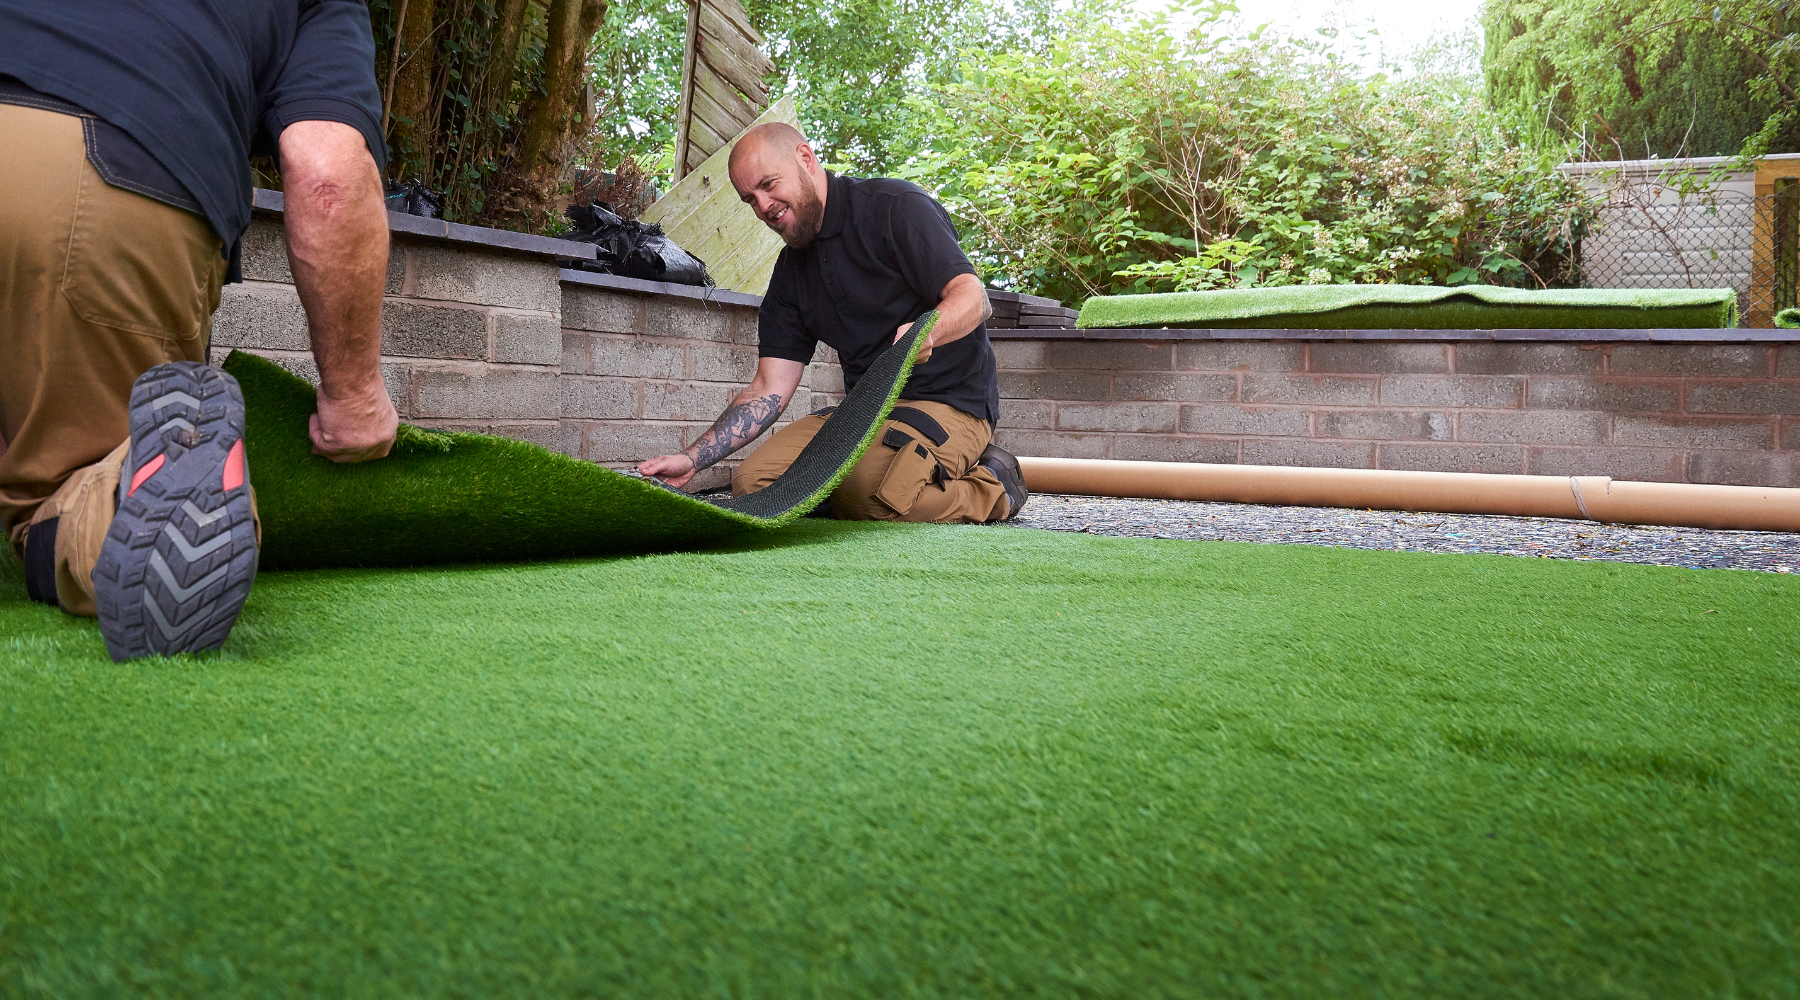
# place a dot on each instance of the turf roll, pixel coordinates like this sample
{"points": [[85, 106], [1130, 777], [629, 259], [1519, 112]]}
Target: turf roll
{"points": [[1416, 307], [443, 497]]}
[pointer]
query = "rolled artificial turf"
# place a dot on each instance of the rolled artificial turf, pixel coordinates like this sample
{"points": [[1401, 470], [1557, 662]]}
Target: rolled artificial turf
{"points": [[1416, 307], [444, 497], [894, 760]]}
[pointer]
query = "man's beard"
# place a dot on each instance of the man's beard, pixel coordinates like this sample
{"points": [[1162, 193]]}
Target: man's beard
{"points": [[809, 215]]}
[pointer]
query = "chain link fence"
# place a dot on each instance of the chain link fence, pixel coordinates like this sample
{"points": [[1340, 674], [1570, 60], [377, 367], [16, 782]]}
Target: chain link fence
{"points": [[1644, 238]]}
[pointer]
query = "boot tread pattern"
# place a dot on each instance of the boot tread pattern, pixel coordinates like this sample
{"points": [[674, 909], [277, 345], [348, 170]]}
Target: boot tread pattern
{"points": [[180, 556]]}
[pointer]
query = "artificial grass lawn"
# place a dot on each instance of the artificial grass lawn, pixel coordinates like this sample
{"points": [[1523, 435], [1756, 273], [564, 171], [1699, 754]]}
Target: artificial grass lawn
{"points": [[443, 497], [884, 760], [1417, 307]]}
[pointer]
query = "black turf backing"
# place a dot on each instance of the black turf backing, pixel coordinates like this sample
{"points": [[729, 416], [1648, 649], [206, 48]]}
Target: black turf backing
{"points": [[831, 454]]}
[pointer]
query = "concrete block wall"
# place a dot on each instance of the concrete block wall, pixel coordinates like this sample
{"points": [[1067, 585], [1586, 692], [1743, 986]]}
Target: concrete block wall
{"points": [[645, 375], [1666, 412], [482, 330], [471, 335]]}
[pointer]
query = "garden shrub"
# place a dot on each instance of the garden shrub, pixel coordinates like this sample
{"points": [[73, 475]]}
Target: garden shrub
{"points": [[1124, 159]]}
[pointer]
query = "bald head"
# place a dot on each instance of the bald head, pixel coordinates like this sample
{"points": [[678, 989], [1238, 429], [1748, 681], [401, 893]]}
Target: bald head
{"points": [[775, 172], [772, 137]]}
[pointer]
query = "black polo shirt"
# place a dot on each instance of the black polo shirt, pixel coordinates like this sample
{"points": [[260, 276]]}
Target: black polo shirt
{"points": [[885, 251], [188, 89]]}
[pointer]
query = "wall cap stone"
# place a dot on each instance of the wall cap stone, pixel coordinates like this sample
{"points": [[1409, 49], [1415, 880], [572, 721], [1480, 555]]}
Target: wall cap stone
{"points": [[265, 200], [618, 282], [1653, 336]]}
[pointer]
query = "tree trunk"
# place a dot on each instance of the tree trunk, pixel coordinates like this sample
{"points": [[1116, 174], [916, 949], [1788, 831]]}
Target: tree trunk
{"points": [[555, 120], [409, 131], [509, 31]]}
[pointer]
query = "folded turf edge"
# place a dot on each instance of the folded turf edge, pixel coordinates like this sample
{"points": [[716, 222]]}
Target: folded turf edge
{"points": [[453, 496]]}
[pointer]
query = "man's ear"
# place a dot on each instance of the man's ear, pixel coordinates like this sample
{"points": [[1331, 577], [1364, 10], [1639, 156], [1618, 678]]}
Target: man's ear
{"points": [[808, 161]]}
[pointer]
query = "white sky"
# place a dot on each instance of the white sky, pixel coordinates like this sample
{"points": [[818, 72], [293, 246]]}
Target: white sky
{"points": [[1401, 25]]}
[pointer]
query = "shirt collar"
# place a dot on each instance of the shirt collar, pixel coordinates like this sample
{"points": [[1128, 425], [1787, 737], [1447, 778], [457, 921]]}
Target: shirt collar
{"points": [[836, 194]]}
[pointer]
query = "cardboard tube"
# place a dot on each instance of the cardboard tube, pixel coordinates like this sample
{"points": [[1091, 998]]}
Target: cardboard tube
{"points": [[1594, 498]]}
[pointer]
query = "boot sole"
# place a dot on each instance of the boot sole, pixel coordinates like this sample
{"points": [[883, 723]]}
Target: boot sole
{"points": [[181, 553]]}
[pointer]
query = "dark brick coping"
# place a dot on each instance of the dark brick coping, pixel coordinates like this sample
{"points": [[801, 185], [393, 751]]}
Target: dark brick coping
{"points": [[615, 282], [1659, 336], [265, 200]]}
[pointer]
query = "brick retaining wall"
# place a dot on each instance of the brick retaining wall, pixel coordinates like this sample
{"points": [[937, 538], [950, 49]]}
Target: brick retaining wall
{"points": [[482, 330], [1666, 412]]}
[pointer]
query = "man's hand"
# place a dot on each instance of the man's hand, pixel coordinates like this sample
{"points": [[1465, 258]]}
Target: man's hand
{"points": [[749, 414], [674, 469], [356, 427], [924, 354], [962, 306]]}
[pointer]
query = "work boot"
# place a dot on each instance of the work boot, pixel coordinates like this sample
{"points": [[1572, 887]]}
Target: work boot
{"points": [[181, 552], [1006, 469]]}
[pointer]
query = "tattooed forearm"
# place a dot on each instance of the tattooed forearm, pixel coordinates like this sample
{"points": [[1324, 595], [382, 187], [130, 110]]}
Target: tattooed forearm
{"points": [[736, 427]]}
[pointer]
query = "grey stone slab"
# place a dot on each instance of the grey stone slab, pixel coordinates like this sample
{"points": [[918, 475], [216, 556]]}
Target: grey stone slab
{"points": [[600, 311], [1603, 393], [1744, 468], [409, 329], [264, 316], [1027, 414], [1174, 448], [1137, 417], [1175, 387], [1326, 390], [629, 357], [1309, 454], [1052, 444], [1500, 459], [1376, 358], [715, 296], [1384, 425], [598, 398], [482, 392], [1532, 427], [527, 339], [1743, 397], [1741, 433], [1491, 391], [1496, 358], [1742, 360], [1225, 356], [490, 279], [1227, 418]]}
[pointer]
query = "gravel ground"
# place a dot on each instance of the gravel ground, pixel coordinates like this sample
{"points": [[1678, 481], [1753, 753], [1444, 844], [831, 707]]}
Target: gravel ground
{"points": [[1542, 537]]}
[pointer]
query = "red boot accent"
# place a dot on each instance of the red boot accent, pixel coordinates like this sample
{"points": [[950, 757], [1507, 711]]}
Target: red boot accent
{"points": [[144, 473], [234, 466]]}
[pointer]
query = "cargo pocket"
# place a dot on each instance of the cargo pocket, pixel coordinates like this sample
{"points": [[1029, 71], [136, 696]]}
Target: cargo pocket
{"points": [[913, 469], [138, 265]]}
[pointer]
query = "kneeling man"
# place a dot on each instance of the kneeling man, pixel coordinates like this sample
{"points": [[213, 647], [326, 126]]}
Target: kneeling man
{"points": [[864, 259]]}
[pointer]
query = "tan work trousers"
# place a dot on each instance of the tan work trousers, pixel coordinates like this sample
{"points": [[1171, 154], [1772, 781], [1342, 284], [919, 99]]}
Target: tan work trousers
{"points": [[894, 483], [97, 285]]}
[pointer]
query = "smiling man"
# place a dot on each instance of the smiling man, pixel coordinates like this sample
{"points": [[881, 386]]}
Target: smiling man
{"points": [[864, 259]]}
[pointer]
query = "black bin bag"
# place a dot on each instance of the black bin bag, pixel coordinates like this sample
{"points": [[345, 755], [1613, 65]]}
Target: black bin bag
{"points": [[631, 248]]}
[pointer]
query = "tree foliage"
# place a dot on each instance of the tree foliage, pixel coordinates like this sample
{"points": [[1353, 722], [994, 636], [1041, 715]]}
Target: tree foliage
{"points": [[1132, 159], [1648, 78], [853, 64], [487, 101]]}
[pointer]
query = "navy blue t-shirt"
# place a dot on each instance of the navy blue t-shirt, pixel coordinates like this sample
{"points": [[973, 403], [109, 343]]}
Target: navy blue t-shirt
{"points": [[884, 253], [202, 84]]}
